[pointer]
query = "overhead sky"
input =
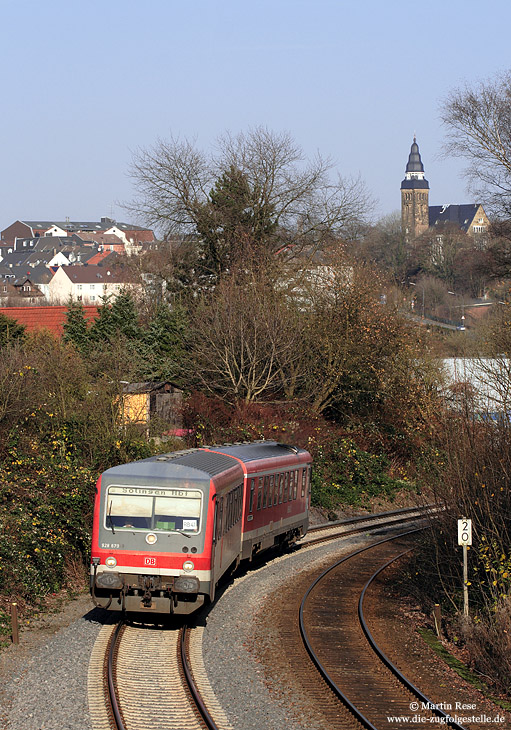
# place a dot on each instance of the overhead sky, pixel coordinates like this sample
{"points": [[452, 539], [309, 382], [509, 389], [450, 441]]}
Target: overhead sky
{"points": [[86, 83]]}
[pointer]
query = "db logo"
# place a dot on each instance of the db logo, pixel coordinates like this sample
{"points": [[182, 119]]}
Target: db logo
{"points": [[150, 561]]}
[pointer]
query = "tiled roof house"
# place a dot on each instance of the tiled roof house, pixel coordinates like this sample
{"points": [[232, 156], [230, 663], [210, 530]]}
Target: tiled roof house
{"points": [[88, 284], [44, 318]]}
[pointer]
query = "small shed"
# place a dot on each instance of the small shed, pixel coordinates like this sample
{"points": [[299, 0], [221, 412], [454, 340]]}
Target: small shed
{"points": [[143, 402]]}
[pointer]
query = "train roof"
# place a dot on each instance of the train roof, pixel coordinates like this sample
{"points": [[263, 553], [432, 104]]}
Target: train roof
{"points": [[202, 463], [257, 450], [189, 464]]}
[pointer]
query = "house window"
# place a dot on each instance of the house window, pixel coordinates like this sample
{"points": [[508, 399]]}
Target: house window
{"points": [[92, 298], [79, 287], [92, 286]]}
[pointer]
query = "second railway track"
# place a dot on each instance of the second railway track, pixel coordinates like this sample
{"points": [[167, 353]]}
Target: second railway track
{"points": [[335, 632]]}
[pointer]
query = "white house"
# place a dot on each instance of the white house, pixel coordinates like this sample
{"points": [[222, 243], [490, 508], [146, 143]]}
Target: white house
{"points": [[89, 284]]}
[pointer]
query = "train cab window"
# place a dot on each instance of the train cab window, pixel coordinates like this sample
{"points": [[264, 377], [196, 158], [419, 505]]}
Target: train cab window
{"points": [[260, 492], [166, 509], [252, 491]]}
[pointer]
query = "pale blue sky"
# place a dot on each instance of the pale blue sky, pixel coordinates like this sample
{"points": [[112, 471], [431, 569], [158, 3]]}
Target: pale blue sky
{"points": [[85, 83]]}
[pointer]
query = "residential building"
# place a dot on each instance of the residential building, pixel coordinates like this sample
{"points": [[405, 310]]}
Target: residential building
{"points": [[20, 286], [89, 284], [133, 237]]}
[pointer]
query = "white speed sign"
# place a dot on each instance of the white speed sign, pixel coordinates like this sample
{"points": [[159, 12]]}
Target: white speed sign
{"points": [[464, 532]]}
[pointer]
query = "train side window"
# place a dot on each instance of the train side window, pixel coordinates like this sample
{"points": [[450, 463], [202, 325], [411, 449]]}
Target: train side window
{"points": [[260, 492], [220, 517], [291, 485], [301, 477], [238, 503], [215, 523], [227, 517], [295, 484], [281, 488], [309, 482], [252, 491], [286, 486], [265, 491], [273, 483]]}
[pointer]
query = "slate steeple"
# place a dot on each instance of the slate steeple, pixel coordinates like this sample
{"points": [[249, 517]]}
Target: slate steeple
{"points": [[414, 196]]}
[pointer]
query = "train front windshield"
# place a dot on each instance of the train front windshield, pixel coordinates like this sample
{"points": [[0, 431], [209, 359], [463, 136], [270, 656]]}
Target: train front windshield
{"points": [[164, 510]]}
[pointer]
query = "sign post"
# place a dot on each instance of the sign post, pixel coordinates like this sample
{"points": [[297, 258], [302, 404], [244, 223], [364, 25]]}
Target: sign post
{"points": [[465, 539]]}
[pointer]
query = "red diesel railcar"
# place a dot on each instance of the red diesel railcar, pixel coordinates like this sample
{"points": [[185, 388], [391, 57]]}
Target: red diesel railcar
{"points": [[167, 528]]}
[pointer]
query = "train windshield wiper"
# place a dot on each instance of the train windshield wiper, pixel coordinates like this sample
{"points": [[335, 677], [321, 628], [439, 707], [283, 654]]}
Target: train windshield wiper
{"points": [[179, 532], [110, 516]]}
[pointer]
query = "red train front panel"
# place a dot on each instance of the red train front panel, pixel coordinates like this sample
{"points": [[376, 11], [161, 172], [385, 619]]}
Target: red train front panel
{"points": [[153, 538]]}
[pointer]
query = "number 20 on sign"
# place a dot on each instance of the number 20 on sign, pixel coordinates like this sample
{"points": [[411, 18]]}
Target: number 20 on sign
{"points": [[464, 532]]}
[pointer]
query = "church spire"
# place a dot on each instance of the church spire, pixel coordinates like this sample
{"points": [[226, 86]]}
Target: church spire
{"points": [[414, 196], [415, 168]]}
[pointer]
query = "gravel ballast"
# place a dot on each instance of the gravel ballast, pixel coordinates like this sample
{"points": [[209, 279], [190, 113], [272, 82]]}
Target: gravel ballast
{"points": [[44, 679]]}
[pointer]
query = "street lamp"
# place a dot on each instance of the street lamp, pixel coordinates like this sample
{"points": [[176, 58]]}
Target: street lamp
{"points": [[462, 305], [412, 283]]}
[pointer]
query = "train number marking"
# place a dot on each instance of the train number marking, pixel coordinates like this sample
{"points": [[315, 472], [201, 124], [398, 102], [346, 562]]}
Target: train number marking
{"points": [[111, 545], [150, 561]]}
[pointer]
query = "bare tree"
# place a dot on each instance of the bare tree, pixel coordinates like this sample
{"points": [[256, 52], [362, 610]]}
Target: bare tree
{"points": [[240, 339], [280, 197], [478, 119]]}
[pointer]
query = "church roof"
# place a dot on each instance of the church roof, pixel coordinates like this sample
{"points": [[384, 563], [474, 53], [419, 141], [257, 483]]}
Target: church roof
{"points": [[414, 159], [460, 215], [414, 173]]}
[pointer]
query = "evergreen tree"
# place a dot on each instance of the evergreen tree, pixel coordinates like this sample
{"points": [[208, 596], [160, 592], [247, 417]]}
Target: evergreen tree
{"points": [[119, 317], [164, 343], [76, 329], [233, 222], [10, 330]]}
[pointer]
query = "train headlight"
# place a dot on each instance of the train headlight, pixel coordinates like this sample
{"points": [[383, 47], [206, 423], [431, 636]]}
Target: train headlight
{"points": [[188, 565], [111, 562], [150, 538]]}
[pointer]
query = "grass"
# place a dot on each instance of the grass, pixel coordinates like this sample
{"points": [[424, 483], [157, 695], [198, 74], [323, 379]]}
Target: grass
{"points": [[461, 669]]}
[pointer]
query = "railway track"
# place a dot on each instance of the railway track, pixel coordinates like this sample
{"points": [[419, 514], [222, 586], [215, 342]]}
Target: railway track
{"points": [[362, 523], [335, 632], [151, 676]]}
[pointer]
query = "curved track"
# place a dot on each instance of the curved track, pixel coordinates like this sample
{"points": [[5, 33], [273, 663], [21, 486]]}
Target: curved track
{"points": [[335, 633]]}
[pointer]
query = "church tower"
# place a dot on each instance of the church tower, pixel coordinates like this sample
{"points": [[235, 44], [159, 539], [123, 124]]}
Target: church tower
{"points": [[414, 197]]}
